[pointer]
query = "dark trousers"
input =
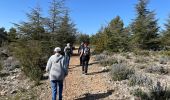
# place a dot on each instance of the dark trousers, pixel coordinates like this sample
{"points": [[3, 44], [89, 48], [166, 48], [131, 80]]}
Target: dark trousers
{"points": [[81, 62], [85, 61], [54, 85]]}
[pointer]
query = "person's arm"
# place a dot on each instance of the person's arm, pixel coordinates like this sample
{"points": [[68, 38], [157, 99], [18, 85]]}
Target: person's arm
{"points": [[79, 50], [81, 53], [49, 64], [64, 49]]}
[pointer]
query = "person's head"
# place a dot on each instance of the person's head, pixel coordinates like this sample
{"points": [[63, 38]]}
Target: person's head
{"points": [[68, 44], [57, 50], [82, 43], [86, 44]]}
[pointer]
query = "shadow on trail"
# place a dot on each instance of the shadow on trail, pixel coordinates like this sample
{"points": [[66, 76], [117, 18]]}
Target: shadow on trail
{"points": [[97, 96], [103, 71], [75, 54]]}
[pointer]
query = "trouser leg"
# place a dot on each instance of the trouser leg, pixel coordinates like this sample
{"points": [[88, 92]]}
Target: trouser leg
{"points": [[54, 89], [83, 64], [60, 84], [86, 64]]}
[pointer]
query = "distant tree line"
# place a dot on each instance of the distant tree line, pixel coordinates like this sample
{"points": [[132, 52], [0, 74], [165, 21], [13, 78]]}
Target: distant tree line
{"points": [[143, 33]]}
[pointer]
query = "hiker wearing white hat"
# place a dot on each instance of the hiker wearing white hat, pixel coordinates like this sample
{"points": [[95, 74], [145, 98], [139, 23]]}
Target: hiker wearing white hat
{"points": [[57, 72]]}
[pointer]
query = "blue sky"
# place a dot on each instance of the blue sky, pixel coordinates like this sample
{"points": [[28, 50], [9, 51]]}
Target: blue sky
{"points": [[88, 15]]}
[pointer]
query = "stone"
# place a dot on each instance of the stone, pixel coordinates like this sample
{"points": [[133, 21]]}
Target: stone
{"points": [[3, 93], [13, 91]]}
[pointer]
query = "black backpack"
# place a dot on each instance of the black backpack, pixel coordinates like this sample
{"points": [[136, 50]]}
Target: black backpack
{"points": [[86, 51]]}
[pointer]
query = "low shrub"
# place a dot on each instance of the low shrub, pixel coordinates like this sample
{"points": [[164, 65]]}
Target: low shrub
{"points": [[108, 62], [100, 57], [1, 66], [140, 79], [142, 52], [120, 72], [164, 60], [158, 92], [140, 94], [157, 69], [141, 59], [165, 53]]}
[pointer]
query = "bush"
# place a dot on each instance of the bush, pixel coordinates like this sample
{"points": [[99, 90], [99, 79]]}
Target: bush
{"points": [[30, 55], [157, 92], [140, 79], [139, 93], [157, 69], [100, 57], [120, 72], [165, 53], [141, 59], [141, 52], [164, 60], [1, 66], [108, 62]]}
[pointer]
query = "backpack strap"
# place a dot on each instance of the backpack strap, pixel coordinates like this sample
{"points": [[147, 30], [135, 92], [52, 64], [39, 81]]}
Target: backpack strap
{"points": [[59, 59]]}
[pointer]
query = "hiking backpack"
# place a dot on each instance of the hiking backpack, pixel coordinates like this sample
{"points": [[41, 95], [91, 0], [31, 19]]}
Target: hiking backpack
{"points": [[86, 51]]}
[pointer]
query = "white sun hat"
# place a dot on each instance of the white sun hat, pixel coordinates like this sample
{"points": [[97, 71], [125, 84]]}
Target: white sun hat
{"points": [[57, 49]]}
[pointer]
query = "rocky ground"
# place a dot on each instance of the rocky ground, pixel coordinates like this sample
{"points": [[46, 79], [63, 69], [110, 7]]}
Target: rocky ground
{"points": [[12, 80], [97, 85]]}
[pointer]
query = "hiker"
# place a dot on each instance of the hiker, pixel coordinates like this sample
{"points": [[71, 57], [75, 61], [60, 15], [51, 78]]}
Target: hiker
{"points": [[79, 52], [68, 52], [85, 53], [57, 72]]}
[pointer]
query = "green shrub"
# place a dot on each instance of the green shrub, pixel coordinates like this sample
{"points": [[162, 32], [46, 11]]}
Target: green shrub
{"points": [[30, 54], [140, 79], [120, 72], [165, 53], [139, 93], [142, 52], [1, 66], [157, 92]]}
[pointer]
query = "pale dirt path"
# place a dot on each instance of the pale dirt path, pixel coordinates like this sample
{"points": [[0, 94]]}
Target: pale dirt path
{"points": [[81, 87]]}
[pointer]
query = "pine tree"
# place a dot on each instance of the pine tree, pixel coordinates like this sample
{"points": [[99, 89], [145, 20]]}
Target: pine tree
{"points": [[12, 34], [56, 12], [166, 35], [117, 36], [33, 28], [144, 27], [67, 31], [82, 38], [3, 35]]}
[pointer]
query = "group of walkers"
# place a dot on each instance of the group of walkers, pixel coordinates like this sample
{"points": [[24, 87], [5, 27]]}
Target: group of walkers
{"points": [[57, 66]]}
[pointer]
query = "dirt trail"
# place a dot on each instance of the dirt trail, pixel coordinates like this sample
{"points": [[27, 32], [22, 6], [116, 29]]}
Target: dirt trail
{"points": [[78, 86]]}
